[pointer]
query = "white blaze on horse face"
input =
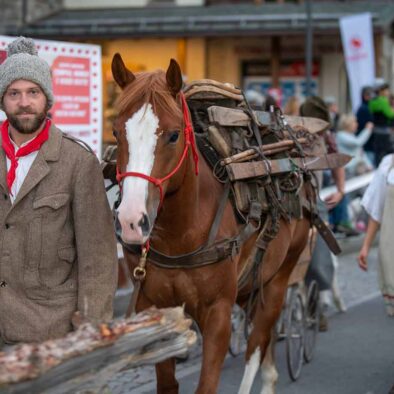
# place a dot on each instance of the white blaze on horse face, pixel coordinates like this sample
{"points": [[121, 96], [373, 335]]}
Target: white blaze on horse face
{"points": [[142, 138]]}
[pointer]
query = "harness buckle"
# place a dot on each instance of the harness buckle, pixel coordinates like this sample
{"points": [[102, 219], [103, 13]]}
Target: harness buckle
{"points": [[139, 272], [235, 249]]}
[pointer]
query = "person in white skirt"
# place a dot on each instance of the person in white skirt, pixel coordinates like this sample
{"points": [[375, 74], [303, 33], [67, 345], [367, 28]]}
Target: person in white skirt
{"points": [[378, 201]]}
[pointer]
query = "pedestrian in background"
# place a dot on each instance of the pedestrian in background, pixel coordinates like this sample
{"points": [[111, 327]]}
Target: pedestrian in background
{"points": [[364, 116], [333, 110], [352, 144], [255, 99], [321, 267], [269, 102], [382, 117], [57, 247], [292, 106], [378, 201]]}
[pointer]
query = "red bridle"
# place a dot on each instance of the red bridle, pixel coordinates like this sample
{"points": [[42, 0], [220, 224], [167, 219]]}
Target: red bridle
{"points": [[189, 142]]}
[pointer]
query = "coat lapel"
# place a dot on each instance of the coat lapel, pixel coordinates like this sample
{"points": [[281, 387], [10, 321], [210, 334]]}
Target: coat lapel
{"points": [[3, 170], [50, 151]]}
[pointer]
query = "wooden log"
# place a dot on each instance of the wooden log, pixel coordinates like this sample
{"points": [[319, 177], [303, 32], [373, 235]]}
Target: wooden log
{"points": [[256, 169], [158, 335], [266, 149]]}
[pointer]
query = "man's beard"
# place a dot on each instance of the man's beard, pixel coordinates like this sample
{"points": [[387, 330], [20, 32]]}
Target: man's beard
{"points": [[27, 125]]}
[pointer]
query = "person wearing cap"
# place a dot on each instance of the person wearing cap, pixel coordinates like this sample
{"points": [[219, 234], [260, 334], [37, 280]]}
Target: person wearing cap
{"points": [[382, 117], [57, 240]]}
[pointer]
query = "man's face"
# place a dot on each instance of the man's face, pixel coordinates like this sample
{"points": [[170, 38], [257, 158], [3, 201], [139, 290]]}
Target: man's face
{"points": [[25, 105]]}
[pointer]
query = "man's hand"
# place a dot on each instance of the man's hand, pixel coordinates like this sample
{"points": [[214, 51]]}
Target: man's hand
{"points": [[363, 258], [333, 199]]}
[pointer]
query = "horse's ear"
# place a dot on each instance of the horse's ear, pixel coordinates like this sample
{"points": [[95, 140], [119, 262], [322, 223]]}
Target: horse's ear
{"points": [[174, 77], [122, 75]]}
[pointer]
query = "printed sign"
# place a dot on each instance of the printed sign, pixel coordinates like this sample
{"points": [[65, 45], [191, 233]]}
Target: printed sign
{"points": [[357, 42], [77, 87]]}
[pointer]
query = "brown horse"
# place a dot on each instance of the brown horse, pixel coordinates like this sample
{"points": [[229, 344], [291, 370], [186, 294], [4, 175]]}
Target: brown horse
{"points": [[165, 202]]}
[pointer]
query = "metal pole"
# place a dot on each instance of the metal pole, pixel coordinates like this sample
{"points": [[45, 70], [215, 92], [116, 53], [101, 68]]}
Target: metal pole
{"points": [[309, 47]]}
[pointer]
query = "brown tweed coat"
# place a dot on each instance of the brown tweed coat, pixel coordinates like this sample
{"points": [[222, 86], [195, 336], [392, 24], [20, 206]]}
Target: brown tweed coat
{"points": [[57, 244]]}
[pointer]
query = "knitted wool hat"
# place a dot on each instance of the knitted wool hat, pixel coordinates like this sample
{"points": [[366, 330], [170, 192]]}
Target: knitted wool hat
{"points": [[22, 62]]}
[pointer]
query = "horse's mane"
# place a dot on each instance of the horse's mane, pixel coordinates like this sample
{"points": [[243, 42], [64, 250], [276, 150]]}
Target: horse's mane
{"points": [[148, 87]]}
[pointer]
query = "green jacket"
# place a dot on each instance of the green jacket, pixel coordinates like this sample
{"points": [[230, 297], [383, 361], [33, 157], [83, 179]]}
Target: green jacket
{"points": [[381, 110]]}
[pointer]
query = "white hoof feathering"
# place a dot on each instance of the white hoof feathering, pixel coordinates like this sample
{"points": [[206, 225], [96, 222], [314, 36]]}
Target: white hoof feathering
{"points": [[269, 375], [251, 369]]}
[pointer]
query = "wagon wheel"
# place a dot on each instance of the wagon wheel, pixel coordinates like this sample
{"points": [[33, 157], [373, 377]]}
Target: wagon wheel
{"points": [[237, 331], [312, 314], [295, 334], [280, 325]]}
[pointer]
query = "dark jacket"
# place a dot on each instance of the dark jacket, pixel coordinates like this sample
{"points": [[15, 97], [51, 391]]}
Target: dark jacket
{"points": [[363, 117]]}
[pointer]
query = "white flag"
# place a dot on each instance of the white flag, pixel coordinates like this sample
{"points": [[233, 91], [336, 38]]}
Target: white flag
{"points": [[357, 42]]}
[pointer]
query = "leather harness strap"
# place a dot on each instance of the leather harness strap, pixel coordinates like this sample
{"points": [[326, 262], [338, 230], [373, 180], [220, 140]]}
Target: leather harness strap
{"points": [[209, 253]]}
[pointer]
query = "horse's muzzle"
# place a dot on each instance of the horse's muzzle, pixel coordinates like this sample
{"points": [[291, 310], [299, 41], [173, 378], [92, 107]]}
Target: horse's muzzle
{"points": [[132, 232]]}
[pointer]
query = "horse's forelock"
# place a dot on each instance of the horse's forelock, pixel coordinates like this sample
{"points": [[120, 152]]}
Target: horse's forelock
{"points": [[148, 87]]}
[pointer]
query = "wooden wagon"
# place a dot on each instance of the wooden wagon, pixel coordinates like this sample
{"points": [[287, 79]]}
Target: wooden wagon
{"points": [[299, 321]]}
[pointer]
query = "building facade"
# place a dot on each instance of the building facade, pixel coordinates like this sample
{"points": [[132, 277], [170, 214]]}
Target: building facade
{"points": [[251, 43]]}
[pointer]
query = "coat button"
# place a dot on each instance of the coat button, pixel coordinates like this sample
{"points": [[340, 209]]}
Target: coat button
{"points": [[7, 226], [3, 283]]}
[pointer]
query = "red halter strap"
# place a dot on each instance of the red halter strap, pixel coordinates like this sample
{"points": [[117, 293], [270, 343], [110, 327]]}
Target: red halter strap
{"points": [[189, 142]]}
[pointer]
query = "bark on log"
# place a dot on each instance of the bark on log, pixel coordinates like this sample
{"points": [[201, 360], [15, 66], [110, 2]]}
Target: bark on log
{"points": [[99, 352]]}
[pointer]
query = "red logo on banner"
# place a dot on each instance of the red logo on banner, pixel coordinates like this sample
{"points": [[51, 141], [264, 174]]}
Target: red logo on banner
{"points": [[71, 88], [356, 43], [3, 56]]}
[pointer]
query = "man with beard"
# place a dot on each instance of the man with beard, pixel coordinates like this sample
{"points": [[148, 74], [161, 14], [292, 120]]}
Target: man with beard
{"points": [[57, 242]]}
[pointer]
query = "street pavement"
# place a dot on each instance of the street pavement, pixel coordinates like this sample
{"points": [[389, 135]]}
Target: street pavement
{"points": [[356, 354]]}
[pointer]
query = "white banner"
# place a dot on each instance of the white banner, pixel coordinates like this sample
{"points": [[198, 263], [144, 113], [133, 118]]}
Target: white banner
{"points": [[77, 87], [357, 42]]}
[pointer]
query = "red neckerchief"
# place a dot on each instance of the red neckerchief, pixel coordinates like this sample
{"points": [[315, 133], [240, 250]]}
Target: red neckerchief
{"points": [[9, 148]]}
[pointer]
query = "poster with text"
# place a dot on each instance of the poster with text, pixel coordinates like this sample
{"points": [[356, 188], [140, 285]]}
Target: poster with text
{"points": [[76, 77], [359, 52]]}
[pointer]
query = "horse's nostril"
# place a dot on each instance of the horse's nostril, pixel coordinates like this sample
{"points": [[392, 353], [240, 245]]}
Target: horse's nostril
{"points": [[132, 226], [144, 224]]}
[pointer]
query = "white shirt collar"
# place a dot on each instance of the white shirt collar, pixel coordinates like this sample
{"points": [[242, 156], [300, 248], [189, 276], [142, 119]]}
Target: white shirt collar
{"points": [[18, 147]]}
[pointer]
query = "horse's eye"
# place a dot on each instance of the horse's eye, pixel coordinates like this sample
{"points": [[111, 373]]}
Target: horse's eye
{"points": [[115, 133], [173, 137]]}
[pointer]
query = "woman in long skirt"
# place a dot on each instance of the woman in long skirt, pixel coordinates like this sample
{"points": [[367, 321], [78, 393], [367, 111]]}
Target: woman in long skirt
{"points": [[378, 201]]}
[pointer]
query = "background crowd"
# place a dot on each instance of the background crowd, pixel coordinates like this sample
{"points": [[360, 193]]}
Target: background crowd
{"points": [[367, 136]]}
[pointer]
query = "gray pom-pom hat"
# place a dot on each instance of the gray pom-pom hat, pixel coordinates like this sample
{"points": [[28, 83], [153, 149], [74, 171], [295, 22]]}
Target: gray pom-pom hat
{"points": [[22, 62]]}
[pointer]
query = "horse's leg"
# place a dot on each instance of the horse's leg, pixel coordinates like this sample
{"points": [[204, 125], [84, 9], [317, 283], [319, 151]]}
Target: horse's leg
{"points": [[165, 375], [259, 339], [215, 324], [266, 315], [166, 382], [269, 373]]}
